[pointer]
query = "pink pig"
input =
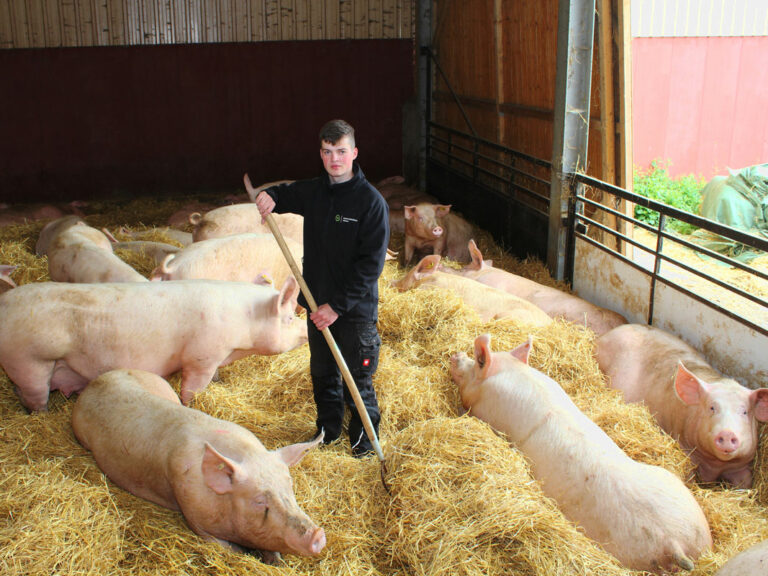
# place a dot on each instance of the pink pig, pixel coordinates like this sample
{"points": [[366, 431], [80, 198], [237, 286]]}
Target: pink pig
{"points": [[242, 219], [750, 562], [242, 257], [228, 486], [556, 303], [489, 303], [712, 416], [435, 228], [644, 515], [51, 230], [59, 336], [83, 254]]}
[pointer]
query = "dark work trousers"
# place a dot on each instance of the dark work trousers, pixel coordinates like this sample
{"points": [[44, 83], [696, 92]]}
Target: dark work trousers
{"points": [[359, 344]]}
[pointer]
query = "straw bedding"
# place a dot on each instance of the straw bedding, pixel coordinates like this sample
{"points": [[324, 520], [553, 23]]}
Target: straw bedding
{"points": [[462, 500]]}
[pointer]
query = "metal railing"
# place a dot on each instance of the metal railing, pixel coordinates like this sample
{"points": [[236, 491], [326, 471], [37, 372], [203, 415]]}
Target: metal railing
{"points": [[517, 176], [593, 202]]}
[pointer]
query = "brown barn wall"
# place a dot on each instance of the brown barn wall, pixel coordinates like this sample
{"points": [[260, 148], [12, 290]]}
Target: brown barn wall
{"points": [[509, 65], [85, 122]]}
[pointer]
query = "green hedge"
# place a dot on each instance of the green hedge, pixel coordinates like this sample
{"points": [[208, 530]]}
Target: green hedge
{"points": [[683, 193]]}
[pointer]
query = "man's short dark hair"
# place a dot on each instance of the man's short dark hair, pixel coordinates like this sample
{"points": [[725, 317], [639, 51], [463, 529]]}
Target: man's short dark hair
{"points": [[335, 130]]}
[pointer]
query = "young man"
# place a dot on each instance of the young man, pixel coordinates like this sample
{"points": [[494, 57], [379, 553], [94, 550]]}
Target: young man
{"points": [[346, 233]]}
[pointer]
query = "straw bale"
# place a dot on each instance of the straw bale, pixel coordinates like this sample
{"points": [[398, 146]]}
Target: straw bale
{"points": [[462, 498]]}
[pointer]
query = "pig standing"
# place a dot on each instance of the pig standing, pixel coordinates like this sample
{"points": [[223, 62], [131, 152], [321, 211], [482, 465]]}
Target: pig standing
{"points": [[713, 417], [243, 257], [57, 336], [435, 228], [83, 254], [242, 219], [750, 562], [489, 303], [228, 486], [644, 515], [554, 302]]}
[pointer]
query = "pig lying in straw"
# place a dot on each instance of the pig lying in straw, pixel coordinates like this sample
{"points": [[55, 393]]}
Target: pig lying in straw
{"points": [[242, 219], [434, 228], [556, 303], [488, 302], [398, 194], [243, 257], [228, 486], [83, 254], [51, 230], [57, 336], [643, 515], [750, 562], [712, 416]]}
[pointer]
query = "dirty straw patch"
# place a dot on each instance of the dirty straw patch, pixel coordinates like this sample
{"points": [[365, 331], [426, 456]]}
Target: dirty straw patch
{"points": [[462, 499]]}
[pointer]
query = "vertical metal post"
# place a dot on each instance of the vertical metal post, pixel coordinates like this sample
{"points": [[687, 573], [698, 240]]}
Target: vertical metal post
{"points": [[575, 40], [424, 82], [656, 265]]}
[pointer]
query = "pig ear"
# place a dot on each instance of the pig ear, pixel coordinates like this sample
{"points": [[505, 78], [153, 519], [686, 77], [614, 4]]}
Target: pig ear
{"points": [[477, 256], [523, 351], [428, 265], [483, 356], [264, 278], [408, 212], [687, 387], [287, 292], [442, 210], [295, 452], [760, 398], [218, 471]]}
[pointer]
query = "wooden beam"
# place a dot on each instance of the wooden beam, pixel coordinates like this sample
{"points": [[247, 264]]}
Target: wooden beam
{"points": [[626, 167], [498, 44], [608, 128]]}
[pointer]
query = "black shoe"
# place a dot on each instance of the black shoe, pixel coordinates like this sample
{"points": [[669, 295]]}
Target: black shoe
{"points": [[361, 447], [362, 452]]}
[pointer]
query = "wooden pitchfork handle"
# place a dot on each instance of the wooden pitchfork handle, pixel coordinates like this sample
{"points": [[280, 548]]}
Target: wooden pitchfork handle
{"points": [[359, 404]]}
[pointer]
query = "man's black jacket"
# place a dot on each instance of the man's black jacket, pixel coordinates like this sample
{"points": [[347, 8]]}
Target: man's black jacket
{"points": [[346, 233]]}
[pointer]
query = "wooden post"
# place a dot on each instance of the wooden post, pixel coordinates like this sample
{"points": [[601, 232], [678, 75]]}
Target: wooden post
{"points": [[607, 116]]}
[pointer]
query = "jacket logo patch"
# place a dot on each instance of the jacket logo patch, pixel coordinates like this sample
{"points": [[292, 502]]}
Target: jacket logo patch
{"points": [[346, 219]]}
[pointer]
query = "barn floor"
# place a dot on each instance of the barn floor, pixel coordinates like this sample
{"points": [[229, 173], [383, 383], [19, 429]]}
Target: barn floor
{"points": [[461, 501]]}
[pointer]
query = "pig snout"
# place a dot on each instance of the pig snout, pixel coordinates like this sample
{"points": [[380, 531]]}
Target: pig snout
{"points": [[310, 543], [437, 231], [316, 542], [727, 442]]}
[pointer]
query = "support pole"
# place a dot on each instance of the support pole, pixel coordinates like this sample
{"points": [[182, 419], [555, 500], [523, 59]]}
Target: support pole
{"points": [[575, 41]]}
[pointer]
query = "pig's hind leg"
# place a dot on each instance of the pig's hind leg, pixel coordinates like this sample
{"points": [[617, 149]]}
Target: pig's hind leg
{"points": [[32, 382]]}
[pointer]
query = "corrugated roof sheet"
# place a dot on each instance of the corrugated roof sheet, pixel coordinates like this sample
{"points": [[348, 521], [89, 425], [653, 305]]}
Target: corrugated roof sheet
{"points": [[664, 18]]}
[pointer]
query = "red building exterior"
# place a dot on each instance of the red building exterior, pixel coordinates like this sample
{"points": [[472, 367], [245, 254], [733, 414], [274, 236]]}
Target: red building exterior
{"points": [[700, 103]]}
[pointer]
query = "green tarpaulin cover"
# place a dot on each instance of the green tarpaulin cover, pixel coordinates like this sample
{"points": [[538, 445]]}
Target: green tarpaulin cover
{"points": [[739, 200]]}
